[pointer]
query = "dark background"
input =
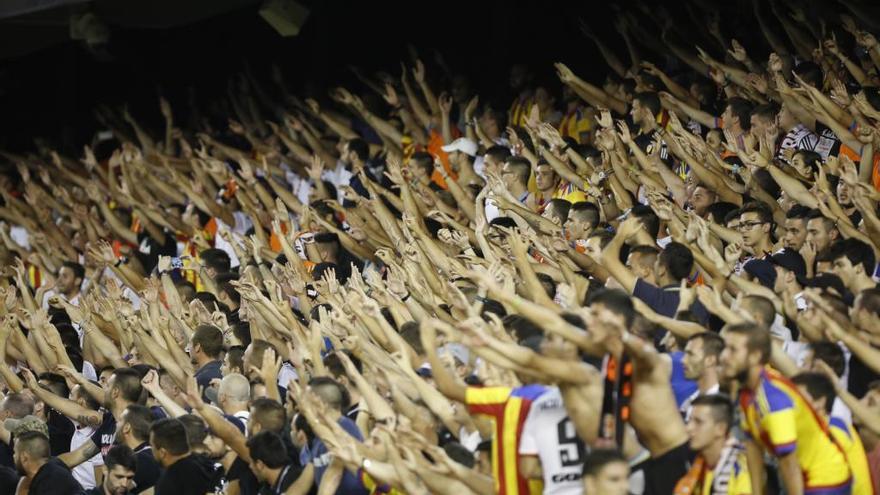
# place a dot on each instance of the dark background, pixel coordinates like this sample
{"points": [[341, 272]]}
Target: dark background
{"points": [[50, 84]]}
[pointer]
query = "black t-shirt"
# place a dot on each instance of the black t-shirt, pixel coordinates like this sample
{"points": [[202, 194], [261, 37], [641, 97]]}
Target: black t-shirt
{"points": [[860, 376], [289, 474], [105, 435], [60, 432], [192, 475], [6, 459], [148, 469], [8, 479], [54, 478], [248, 484]]}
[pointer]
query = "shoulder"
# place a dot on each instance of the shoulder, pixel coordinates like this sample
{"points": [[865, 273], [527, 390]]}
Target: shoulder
{"points": [[774, 395]]}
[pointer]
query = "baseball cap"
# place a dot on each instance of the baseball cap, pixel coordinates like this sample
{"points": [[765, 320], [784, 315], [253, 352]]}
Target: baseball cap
{"points": [[463, 144], [790, 260], [26, 424], [762, 270]]}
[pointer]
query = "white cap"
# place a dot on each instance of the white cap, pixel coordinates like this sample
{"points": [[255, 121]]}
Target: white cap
{"points": [[465, 145]]}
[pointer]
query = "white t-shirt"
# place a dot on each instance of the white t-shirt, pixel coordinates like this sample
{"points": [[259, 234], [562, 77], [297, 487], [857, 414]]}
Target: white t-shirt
{"points": [[85, 472], [549, 434]]}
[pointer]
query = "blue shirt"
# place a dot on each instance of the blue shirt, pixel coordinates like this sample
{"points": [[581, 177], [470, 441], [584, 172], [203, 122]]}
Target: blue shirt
{"points": [[664, 300], [681, 386], [320, 457]]}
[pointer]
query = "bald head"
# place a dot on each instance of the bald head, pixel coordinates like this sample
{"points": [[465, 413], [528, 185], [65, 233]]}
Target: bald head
{"points": [[235, 388]]}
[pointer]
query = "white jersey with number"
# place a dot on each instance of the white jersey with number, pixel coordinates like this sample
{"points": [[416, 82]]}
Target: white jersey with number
{"points": [[549, 434]]}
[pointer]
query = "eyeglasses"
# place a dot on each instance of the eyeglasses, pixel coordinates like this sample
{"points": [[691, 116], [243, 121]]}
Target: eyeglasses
{"points": [[749, 225]]}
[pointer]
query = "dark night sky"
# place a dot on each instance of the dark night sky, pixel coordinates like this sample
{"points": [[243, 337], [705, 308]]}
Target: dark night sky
{"points": [[47, 90]]}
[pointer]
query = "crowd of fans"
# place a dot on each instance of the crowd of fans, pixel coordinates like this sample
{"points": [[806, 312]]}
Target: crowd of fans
{"points": [[664, 282]]}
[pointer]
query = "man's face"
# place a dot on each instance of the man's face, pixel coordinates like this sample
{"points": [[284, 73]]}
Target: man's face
{"points": [[702, 428], [752, 228], [797, 161], [593, 247], [20, 459], [728, 118], [795, 233], [118, 480], [636, 111], [701, 199], [111, 388], [844, 194], [507, 175], [758, 126], [613, 479], [785, 119], [735, 358], [66, 280], [694, 359], [843, 268], [545, 177], [818, 234], [576, 227]]}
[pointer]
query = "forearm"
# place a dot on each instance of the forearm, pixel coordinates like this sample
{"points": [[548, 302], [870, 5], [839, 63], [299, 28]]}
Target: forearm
{"points": [[790, 472]]}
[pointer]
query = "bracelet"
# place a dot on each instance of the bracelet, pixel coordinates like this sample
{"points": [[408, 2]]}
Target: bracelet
{"points": [[404, 298], [120, 262]]}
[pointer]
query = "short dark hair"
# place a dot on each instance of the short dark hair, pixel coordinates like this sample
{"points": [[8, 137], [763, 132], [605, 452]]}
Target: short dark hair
{"points": [[521, 167], [678, 260], [870, 300], [758, 338], [597, 459], [718, 211], [498, 153], [521, 327], [128, 381], [826, 222], [424, 161], [741, 108], [560, 207], [268, 448], [79, 271], [360, 148], [587, 210], [120, 455], [648, 218], [810, 72], [169, 434], [18, 405], [140, 418], [269, 414], [799, 212], [818, 386], [210, 338], [763, 307], [649, 100], [721, 405], [616, 301], [830, 354], [765, 214], [857, 252], [713, 344], [196, 429], [217, 259], [766, 111]]}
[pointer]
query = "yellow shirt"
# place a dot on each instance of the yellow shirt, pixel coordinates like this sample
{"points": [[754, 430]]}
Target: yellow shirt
{"points": [[777, 417], [848, 438]]}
